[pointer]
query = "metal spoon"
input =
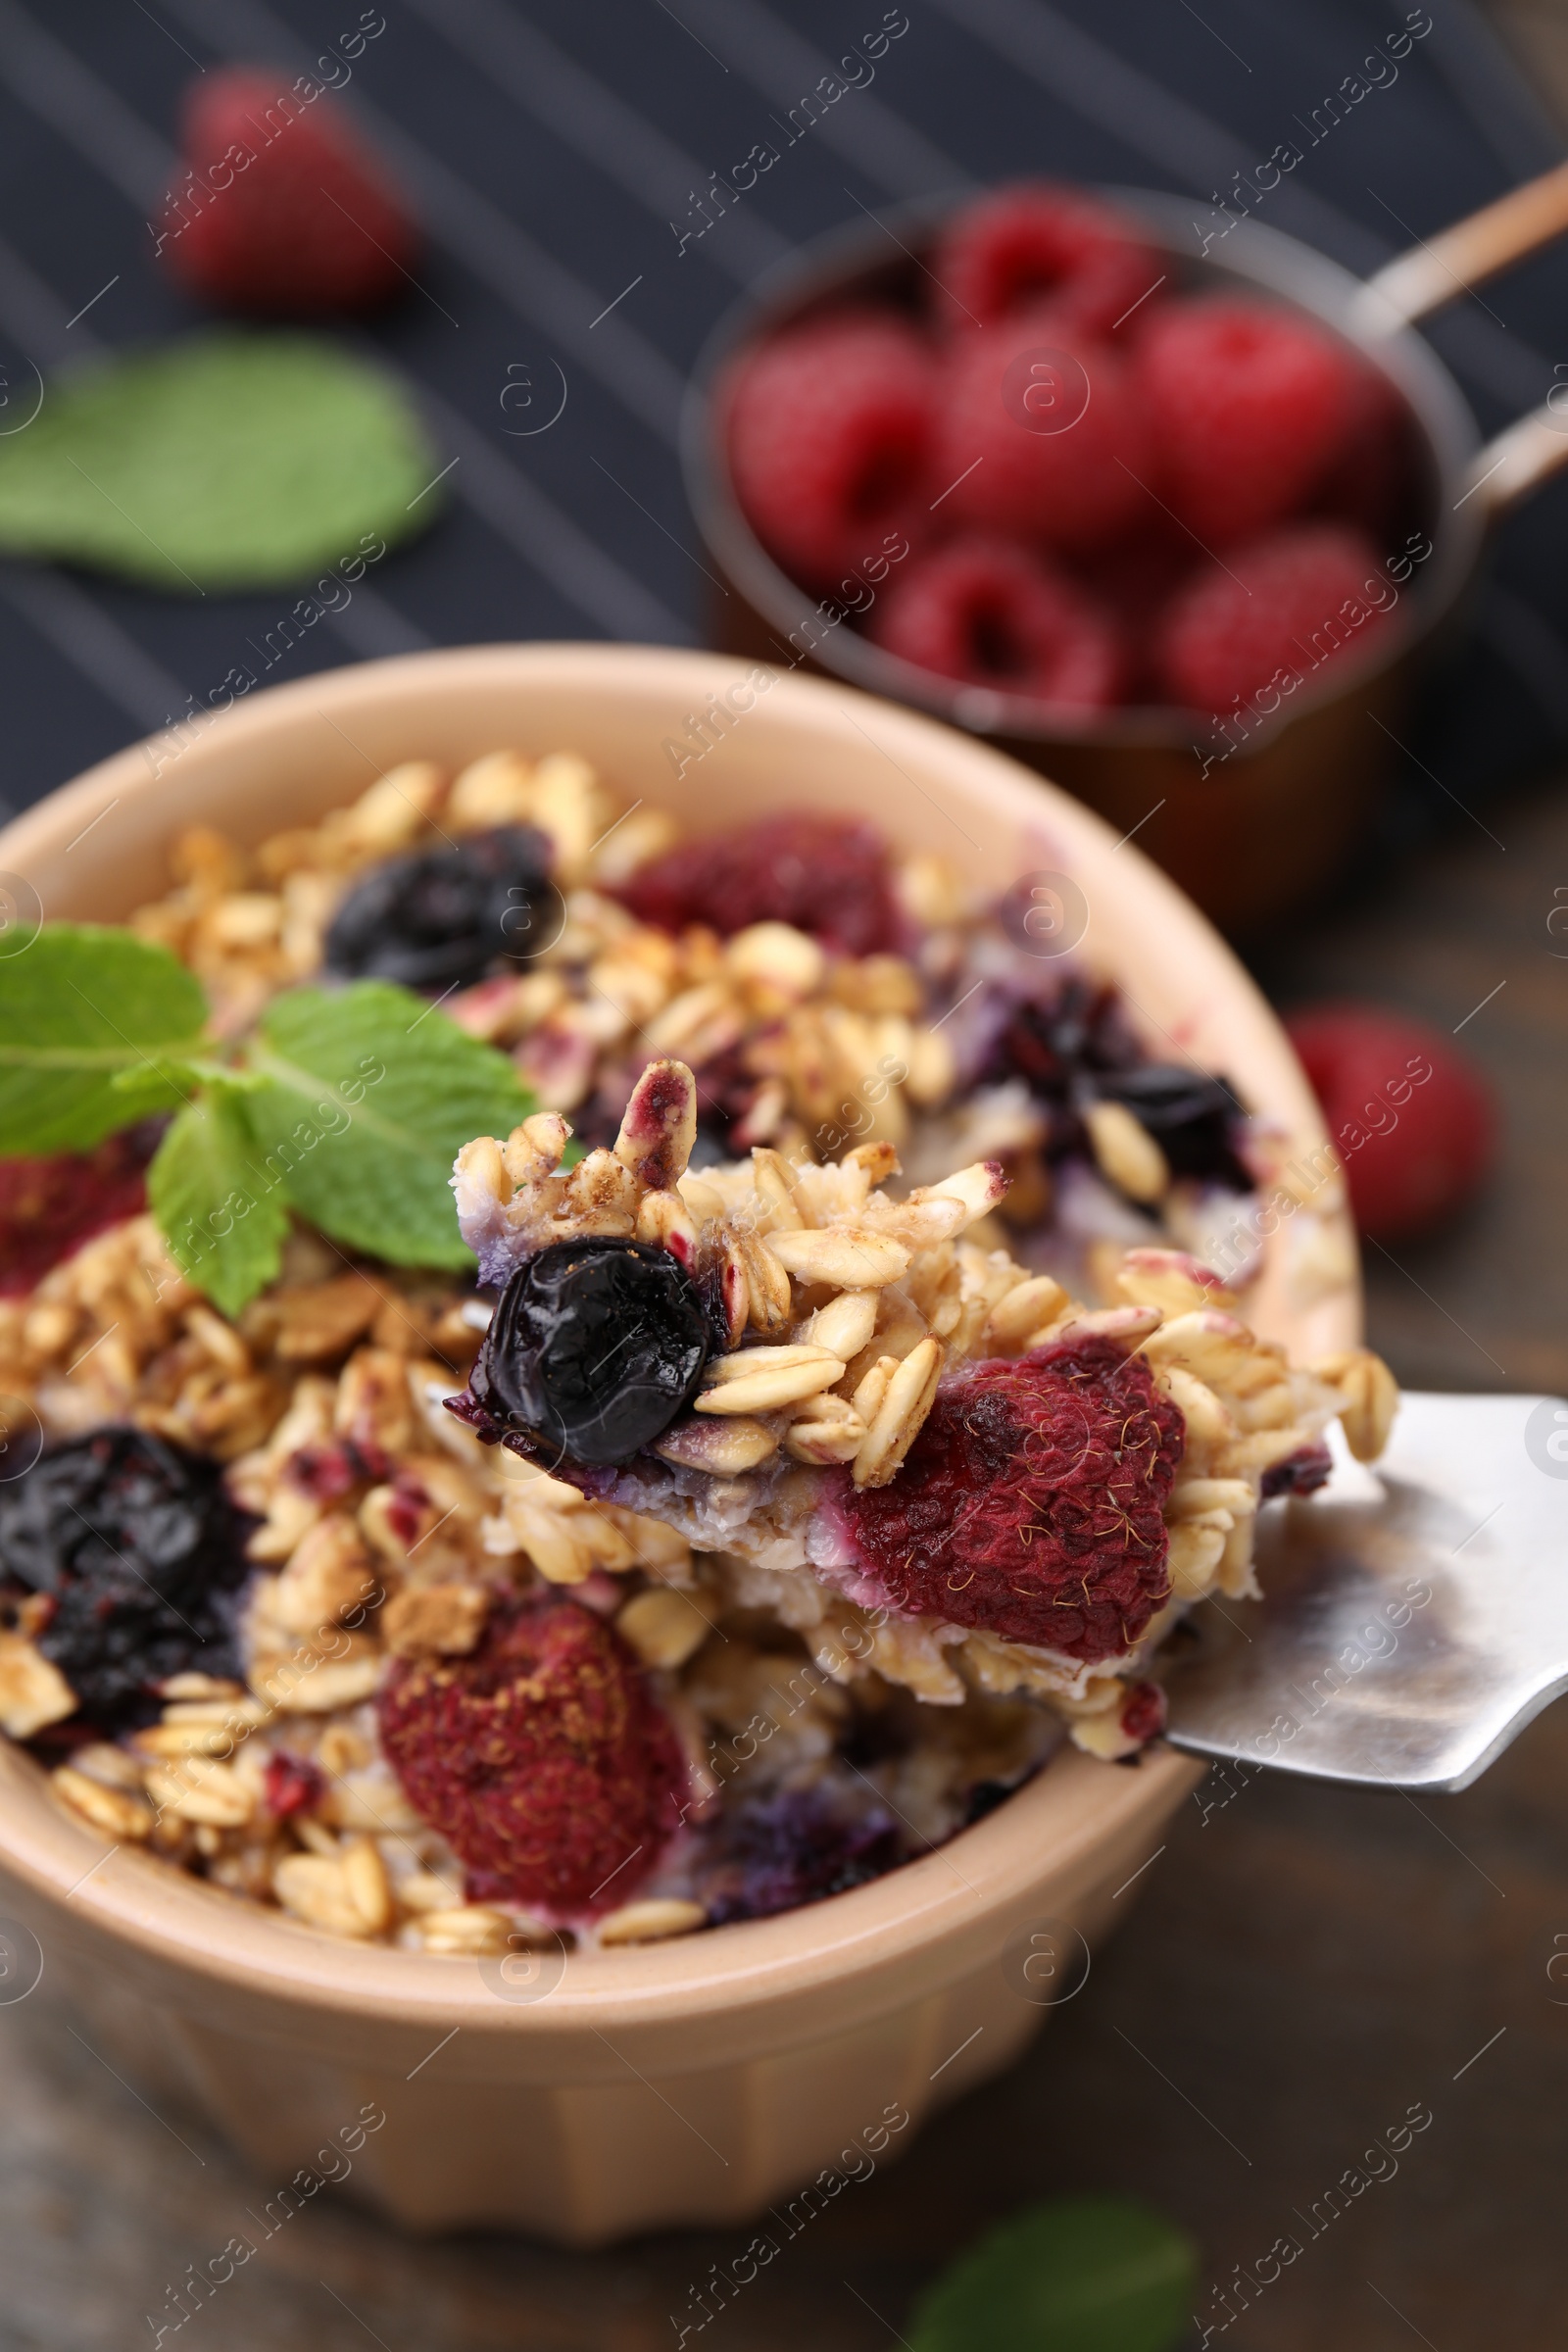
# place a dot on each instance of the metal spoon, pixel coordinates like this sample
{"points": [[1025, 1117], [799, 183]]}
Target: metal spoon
{"points": [[1416, 1611]]}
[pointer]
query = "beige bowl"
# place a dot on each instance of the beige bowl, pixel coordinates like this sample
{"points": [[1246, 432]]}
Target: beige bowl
{"points": [[694, 2081]]}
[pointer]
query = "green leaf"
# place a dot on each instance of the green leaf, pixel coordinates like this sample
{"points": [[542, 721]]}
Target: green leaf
{"points": [[1076, 2275], [223, 461], [367, 1095], [96, 1026], [222, 1214]]}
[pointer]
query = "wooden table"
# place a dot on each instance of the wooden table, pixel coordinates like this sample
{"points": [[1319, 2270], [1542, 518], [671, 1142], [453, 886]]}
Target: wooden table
{"points": [[1306, 1965]]}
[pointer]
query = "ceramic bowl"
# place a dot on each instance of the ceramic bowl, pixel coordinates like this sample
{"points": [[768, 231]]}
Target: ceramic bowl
{"points": [[585, 2097]]}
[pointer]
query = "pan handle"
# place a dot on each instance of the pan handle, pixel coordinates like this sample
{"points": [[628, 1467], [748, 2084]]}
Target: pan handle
{"points": [[1449, 263], [1516, 463]]}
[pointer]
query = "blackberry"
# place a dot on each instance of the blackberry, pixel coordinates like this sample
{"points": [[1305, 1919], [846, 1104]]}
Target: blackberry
{"points": [[141, 1552], [444, 918], [594, 1348], [773, 1853], [1192, 1117]]}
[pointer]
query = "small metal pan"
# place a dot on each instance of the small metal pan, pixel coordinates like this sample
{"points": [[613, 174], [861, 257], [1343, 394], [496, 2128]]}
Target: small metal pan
{"points": [[1255, 818]]}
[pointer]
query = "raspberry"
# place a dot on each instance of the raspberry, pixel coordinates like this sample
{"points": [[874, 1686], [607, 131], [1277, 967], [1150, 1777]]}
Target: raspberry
{"points": [[1287, 602], [990, 467], [1414, 1124], [306, 224], [827, 876], [137, 1548], [1030, 1502], [48, 1207], [1248, 406], [542, 1758], [829, 429], [991, 616], [1019, 244], [443, 918]]}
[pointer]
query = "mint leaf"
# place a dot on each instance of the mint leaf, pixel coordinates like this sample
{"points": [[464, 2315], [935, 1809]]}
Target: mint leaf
{"points": [[220, 1213], [224, 461], [367, 1094], [96, 1026], [1076, 2275]]}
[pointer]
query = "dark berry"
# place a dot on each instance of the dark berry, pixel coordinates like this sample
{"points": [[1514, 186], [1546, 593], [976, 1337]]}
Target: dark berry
{"points": [[829, 428], [771, 1853], [827, 876], [1017, 246], [1030, 1503], [48, 1207], [542, 1757], [141, 1552], [1414, 1123], [306, 224], [993, 616], [594, 1348], [446, 917], [1194, 1118], [1248, 406]]}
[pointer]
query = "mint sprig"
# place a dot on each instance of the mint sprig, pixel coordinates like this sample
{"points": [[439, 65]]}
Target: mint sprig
{"points": [[1074, 2275], [348, 1106], [96, 1029]]}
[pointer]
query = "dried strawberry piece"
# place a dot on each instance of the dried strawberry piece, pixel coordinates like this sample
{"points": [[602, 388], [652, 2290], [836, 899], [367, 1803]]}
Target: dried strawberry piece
{"points": [[48, 1207], [543, 1759], [293, 1785], [290, 215], [1030, 1505], [1142, 1711], [824, 874]]}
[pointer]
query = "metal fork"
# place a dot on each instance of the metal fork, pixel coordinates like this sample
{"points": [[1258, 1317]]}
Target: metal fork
{"points": [[1416, 1611]]}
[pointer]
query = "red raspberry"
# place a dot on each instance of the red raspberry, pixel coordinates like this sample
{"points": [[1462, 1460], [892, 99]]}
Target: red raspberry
{"points": [[1030, 1502], [1287, 602], [48, 1207], [1374, 480], [992, 468], [1021, 244], [1247, 406], [543, 1759], [1414, 1124], [990, 614], [829, 430], [305, 222], [827, 876]]}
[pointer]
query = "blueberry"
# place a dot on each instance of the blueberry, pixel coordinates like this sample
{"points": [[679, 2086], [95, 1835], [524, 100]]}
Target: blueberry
{"points": [[446, 917], [594, 1348], [137, 1545]]}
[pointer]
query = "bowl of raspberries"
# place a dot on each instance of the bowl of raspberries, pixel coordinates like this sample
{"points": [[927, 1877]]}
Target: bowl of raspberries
{"points": [[619, 1370], [1153, 520]]}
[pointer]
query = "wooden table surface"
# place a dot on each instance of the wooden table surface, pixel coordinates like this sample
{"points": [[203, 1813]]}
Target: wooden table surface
{"points": [[1305, 1966]]}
